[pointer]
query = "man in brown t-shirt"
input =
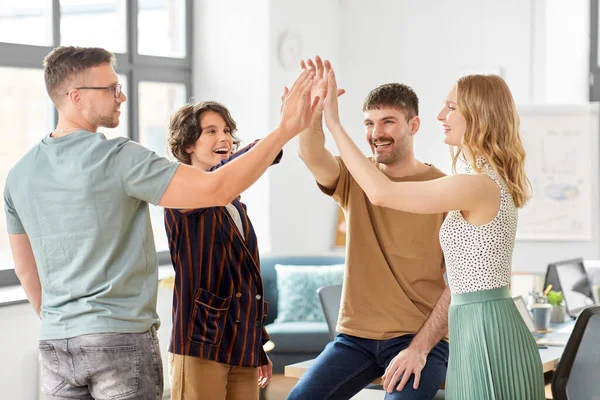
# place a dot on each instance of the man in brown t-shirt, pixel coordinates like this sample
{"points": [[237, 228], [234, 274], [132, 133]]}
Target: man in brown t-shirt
{"points": [[393, 316]]}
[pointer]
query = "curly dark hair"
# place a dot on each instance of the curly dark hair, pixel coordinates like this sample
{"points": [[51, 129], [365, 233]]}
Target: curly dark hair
{"points": [[394, 95], [185, 129]]}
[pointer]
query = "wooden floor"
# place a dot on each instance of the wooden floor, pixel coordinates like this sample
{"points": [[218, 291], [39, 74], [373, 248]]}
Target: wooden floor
{"points": [[279, 388]]}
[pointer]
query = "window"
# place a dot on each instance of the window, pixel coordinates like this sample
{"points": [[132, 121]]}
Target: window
{"points": [[161, 28], [594, 51], [26, 22], [26, 114], [104, 24], [152, 42], [157, 102]]}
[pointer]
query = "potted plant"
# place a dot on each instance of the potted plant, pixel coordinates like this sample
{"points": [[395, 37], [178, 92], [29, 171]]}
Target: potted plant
{"points": [[557, 300]]}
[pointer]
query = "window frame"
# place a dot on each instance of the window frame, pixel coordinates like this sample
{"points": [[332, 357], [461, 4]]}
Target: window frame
{"points": [[136, 67], [594, 77]]}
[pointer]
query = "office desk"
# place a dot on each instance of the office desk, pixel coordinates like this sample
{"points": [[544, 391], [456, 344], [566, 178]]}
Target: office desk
{"points": [[559, 333], [298, 369], [549, 356]]}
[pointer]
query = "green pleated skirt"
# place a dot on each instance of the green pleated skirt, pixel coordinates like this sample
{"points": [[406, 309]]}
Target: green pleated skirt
{"points": [[493, 356]]}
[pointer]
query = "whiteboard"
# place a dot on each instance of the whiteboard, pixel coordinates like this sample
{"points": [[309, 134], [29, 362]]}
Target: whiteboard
{"points": [[561, 144]]}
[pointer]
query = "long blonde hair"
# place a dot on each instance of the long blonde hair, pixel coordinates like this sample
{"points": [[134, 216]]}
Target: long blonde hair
{"points": [[492, 131]]}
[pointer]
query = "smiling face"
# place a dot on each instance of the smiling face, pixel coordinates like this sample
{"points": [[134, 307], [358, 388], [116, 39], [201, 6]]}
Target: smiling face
{"points": [[389, 134], [453, 121], [215, 142]]}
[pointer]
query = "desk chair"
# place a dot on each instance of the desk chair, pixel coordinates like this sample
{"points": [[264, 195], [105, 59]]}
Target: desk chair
{"points": [[330, 297], [576, 376]]}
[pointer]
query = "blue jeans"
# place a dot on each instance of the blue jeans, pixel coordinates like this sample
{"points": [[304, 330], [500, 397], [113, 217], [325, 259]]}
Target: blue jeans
{"points": [[104, 366], [348, 364]]}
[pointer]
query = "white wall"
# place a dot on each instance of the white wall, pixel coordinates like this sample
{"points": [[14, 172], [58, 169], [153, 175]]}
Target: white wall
{"points": [[567, 44], [302, 219], [539, 46], [231, 66], [239, 67], [19, 335]]}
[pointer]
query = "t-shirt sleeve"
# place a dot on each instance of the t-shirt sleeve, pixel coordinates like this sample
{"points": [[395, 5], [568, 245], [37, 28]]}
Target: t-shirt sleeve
{"points": [[13, 222], [341, 191], [144, 174]]}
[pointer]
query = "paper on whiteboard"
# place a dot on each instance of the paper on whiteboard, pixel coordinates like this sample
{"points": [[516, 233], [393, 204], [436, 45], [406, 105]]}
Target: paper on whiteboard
{"points": [[559, 141]]}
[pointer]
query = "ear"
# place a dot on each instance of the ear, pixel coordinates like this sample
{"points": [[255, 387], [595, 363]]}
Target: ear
{"points": [[75, 98], [415, 124], [189, 149]]}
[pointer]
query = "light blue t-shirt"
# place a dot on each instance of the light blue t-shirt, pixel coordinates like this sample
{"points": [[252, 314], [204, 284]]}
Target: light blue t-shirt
{"points": [[83, 202]]}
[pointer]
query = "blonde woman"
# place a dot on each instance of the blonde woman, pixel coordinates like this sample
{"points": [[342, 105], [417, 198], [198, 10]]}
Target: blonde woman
{"points": [[492, 353]]}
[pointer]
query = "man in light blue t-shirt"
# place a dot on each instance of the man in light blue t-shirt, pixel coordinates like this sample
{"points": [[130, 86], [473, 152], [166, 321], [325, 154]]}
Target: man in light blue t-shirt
{"points": [[79, 228]]}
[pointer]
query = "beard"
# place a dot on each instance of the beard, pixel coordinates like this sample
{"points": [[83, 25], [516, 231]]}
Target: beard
{"points": [[390, 158], [107, 121], [399, 150]]}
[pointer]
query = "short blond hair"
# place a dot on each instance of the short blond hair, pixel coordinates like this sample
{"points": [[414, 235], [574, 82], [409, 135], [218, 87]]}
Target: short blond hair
{"points": [[66, 62]]}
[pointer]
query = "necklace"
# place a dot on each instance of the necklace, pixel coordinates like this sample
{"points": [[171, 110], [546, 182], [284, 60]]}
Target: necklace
{"points": [[66, 130]]}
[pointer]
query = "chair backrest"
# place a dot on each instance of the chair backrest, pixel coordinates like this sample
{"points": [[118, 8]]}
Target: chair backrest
{"points": [[576, 376], [269, 276], [331, 297]]}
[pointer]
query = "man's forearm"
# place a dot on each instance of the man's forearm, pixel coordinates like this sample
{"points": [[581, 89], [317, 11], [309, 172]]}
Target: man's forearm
{"points": [[311, 141], [435, 327], [30, 282], [241, 173], [26, 269]]}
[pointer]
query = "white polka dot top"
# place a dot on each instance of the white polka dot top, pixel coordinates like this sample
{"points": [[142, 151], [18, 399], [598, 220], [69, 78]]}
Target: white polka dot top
{"points": [[480, 257]]}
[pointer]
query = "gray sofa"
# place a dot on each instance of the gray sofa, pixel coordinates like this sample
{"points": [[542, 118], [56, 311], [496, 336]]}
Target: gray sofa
{"points": [[294, 341]]}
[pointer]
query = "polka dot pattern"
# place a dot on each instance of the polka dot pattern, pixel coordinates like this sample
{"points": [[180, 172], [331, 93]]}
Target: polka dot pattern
{"points": [[480, 257]]}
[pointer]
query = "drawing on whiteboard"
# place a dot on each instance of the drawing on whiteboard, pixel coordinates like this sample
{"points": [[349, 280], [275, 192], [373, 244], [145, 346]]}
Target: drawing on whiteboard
{"points": [[561, 192], [559, 141]]}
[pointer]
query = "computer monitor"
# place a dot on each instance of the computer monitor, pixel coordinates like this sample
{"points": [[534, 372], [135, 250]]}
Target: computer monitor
{"points": [[570, 277], [522, 307]]}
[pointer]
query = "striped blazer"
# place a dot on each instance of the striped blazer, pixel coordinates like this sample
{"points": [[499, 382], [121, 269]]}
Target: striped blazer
{"points": [[218, 305]]}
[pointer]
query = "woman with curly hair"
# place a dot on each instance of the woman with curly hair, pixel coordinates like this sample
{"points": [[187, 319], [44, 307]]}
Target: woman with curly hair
{"points": [[492, 353], [218, 307]]}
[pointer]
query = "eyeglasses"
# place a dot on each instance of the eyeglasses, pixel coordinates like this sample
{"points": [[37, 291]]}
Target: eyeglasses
{"points": [[116, 89]]}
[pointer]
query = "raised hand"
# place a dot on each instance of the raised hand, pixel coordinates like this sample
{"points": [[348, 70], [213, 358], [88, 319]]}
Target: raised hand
{"points": [[298, 105], [319, 87], [330, 104]]}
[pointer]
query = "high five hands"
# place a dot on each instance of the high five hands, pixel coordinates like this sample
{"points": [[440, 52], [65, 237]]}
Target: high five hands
{"points": [[321, 81], [298, 106], [322, 88]]}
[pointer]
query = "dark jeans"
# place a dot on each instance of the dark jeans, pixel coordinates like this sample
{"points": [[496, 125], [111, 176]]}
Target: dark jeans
{"points": [[349, 363], [106, 366]]}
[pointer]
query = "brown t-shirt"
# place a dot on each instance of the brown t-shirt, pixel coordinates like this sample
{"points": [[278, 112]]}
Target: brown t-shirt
{"points": [[394, 263]]}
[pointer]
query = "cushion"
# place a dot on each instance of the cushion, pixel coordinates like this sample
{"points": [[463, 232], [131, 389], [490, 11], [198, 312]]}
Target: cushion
{"points": [[297, 286], [298, 337]]}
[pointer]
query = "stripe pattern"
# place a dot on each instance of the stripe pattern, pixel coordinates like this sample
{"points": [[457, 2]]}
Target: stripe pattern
{"points": [[218, 305]]}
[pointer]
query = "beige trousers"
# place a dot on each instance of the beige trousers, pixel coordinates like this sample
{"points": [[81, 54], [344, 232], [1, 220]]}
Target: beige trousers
{"points": [[193, 378]]}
